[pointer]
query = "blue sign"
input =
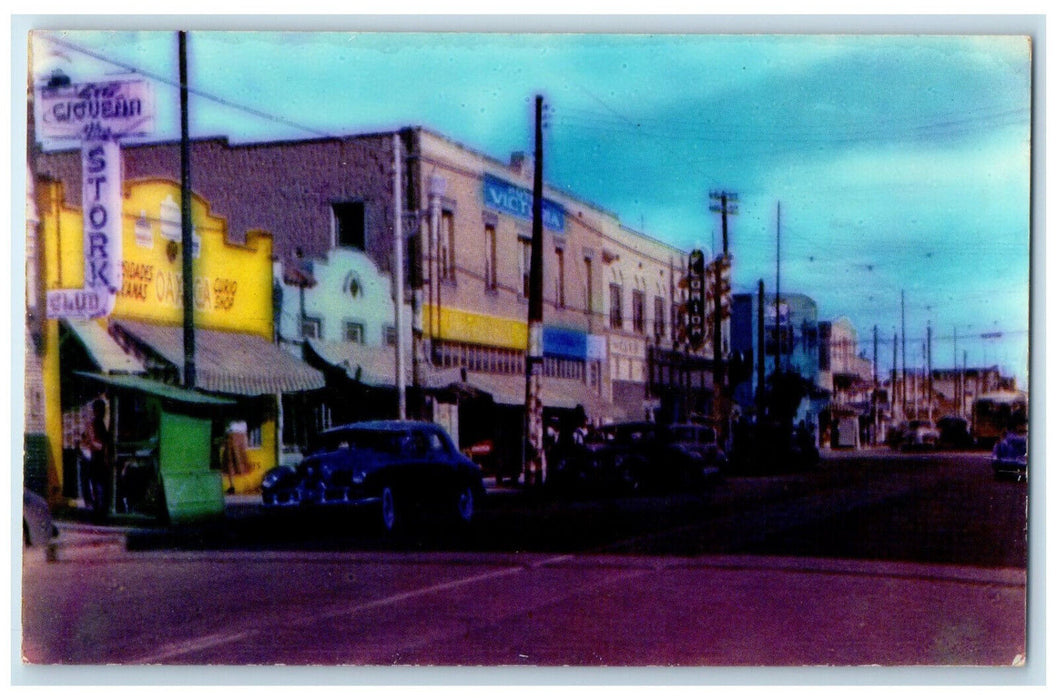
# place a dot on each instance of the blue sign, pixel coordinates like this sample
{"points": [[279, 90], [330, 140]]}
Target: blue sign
{"points": [[564, 342], [517, 201]]}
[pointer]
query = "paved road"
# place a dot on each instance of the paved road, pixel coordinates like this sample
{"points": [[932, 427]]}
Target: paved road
{"points": [[871, 559]]}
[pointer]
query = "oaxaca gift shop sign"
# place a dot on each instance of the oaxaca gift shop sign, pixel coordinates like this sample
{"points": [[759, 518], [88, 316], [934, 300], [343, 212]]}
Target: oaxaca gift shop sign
{"points": [[97, 114]]}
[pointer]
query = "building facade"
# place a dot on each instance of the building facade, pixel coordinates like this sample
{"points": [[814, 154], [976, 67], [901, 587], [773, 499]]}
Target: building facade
{"points": [[232, 290], [790, 335], [613, 302]]}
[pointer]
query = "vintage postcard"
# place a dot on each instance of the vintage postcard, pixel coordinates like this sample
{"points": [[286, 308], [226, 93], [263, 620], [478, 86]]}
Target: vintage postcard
{"points": [[371, 349]]}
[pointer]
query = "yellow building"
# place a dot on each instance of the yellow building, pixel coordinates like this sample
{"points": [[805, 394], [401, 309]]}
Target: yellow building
{"points": [[233, 317]]}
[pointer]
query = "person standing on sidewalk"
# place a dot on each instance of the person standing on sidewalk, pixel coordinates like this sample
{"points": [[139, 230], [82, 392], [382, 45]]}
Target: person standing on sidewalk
{"points": [[96, 441], [235, 460]]}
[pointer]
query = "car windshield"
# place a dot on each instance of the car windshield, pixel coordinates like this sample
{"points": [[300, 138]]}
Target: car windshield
{"points": [[1018, 446], [385, 441]]}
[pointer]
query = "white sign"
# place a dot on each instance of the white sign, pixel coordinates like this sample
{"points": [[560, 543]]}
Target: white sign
{"points": [[101, 200], [95, 111], [76, 303]]}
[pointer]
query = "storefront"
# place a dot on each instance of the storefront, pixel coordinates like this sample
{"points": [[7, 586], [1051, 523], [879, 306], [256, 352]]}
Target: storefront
{"points": [[235, 356]]}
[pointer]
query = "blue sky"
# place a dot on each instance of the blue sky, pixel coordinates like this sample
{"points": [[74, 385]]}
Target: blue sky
{"points": [[900, 162]]}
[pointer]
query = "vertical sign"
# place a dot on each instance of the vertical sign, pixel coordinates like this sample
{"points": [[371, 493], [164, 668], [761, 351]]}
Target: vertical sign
{"points": [[695, 276], [97, 114], [101, 199]]}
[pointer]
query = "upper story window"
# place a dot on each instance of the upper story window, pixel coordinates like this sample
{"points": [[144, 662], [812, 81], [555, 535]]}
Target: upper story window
{"points": [[559, 296], [525, 263], [350, 229], [589, 307], [491, 277], [659, 312], [446, 246], [616, 307], [638, 311], [353, 332], [311, 327]]}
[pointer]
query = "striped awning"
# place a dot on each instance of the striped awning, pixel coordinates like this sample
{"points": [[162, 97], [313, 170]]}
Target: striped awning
{"points": [[376, 365], [240, 364], [509, 389], [103, 350]]}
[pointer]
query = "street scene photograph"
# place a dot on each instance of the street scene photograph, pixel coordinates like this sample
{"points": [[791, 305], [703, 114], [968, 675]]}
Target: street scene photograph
{"points": [[499, 353]]}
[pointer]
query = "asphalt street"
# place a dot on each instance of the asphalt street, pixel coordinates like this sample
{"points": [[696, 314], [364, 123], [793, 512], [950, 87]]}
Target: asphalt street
{"points": [[874, 558]]}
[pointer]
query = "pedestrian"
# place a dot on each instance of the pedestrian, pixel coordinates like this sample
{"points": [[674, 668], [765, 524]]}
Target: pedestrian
{"points": [[235, 461], [95, 441]]}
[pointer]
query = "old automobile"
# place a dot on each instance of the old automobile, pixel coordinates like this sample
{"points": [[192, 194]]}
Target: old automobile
{"points": [[920, 435], [402, 469], [1009, 457], [636, 457]]}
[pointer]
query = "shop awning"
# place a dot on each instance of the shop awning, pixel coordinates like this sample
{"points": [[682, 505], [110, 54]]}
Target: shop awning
{"points": [[509, 389], [228, 363], [104, 351], [157, 389], [376, 366]]}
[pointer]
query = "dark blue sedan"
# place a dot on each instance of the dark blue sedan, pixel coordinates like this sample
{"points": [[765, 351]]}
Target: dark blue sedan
{"points": [[1009, 458], [398, 467]]}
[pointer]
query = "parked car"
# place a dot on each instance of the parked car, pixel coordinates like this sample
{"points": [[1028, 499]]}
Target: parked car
{"points": [[1009, 458], [635, 456], [401, 468], [38, 528], [919, 435], [954, 433], [698, 441]]}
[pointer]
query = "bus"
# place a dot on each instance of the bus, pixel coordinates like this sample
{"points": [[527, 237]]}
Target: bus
{"points": [[998, 412]]}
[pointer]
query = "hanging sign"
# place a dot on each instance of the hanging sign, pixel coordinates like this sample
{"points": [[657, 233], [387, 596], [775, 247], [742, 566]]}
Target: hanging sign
{"points": [[95, 111], [98, 114]]}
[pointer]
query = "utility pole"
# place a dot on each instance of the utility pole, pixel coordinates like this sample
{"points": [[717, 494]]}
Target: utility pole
{"points": [[895, 369], [725, 208], [928, 358], [534, 458], [778, 295], [903, 331], [873, 394], [398, 278], [187, 242], [761, 355], [727, 205]]}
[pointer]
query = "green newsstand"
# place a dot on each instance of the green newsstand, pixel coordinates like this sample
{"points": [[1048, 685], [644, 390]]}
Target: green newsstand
{"points": [[162, 447]]}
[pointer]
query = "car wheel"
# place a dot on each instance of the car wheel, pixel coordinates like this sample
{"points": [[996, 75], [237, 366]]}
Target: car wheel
{"points": [[390, 519], [465, 505]]}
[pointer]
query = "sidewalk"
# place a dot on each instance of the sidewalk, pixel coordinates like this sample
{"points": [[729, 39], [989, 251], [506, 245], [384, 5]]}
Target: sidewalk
{"points": [[79, 534]]}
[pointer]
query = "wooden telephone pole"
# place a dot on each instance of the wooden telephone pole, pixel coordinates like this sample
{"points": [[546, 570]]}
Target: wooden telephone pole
{"points": [[533, 457]]}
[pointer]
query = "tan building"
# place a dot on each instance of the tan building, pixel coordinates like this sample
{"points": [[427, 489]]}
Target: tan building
{"points": [[609, 292], [612, 295]]}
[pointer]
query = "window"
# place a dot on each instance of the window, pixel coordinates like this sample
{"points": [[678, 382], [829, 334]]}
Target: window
{"points": [[616, 311], [254, 437], [446, 244], [658, 318], [349, 225], [491, 280], [559, 296], [675, 322], [638, 311], [525, 262], [353, 332], [389, 333], [311, 327], [588, 304]]}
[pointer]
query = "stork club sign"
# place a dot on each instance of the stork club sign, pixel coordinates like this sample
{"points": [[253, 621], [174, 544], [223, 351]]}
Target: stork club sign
{"points": [[99, 115]]}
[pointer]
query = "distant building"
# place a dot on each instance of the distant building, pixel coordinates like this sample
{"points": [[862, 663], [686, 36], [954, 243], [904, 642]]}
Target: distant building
{"points": [[791, 343]]}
